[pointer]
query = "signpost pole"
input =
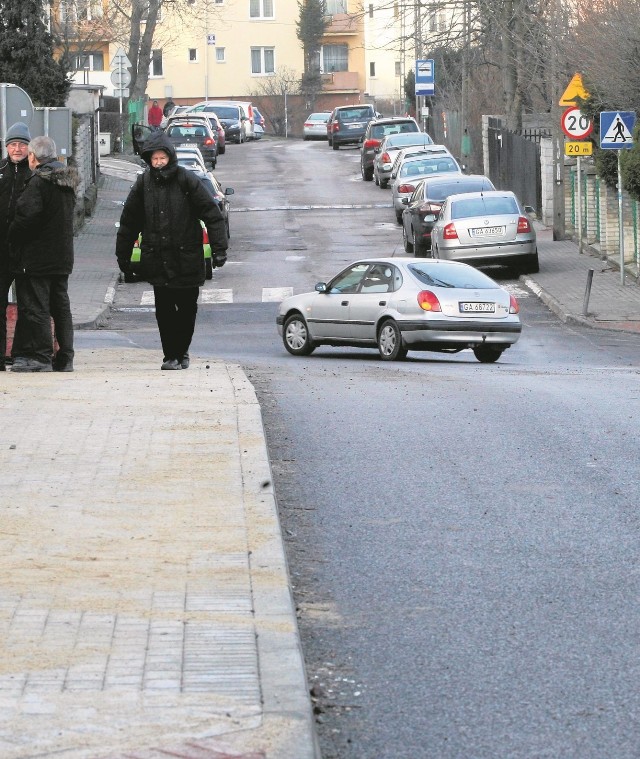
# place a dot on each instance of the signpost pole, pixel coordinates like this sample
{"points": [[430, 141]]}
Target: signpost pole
{"points": [[579, 172], [620, 223]]}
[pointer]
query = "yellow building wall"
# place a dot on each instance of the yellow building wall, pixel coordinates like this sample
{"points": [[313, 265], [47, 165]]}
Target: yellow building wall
{"points": [[237, 33]]}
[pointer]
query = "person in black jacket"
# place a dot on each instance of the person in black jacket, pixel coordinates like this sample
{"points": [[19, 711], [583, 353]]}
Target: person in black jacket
{"points": [[14, 170], [165, 205], [41, 240]]}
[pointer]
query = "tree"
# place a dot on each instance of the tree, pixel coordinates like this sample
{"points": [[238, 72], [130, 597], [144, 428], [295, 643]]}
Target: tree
{"points": [[310, 28], [26, 53]]}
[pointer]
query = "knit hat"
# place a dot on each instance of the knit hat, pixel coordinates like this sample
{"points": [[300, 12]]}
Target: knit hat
{"points": [[18, 132]]}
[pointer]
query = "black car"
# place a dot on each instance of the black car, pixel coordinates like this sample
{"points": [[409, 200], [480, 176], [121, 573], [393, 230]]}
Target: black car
{"points": [[424, 204], [375, 132], [182, 131], [348, 123]]}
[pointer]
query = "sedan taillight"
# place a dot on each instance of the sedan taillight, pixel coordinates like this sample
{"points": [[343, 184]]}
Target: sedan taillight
{"points": [[428, 301], [430, 208], [523, 225], [514, 308], [449, 232], [209, 141], [335, 127], [371, 144], [406, 188], [385, 157]]}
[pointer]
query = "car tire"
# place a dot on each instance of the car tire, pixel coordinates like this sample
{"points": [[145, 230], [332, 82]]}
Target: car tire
{"points": [[530, 264], [390, 342], [222, 150], [406, 242], [335, 145], [420, 250], [208, 268], [487, 354], [367, 174], [376, 180], [384, 183], [399, 217], [295, 336]]}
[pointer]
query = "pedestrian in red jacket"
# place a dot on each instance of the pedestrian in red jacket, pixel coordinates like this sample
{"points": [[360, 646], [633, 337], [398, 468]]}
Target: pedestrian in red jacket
{"points": [[155, 115]]}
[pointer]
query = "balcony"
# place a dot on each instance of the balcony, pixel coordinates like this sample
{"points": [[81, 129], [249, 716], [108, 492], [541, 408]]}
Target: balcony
{"points": [[343, 24], [340, 81]]}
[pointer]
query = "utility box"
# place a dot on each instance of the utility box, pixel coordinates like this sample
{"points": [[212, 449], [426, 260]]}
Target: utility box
{"points": [[104, 143]]}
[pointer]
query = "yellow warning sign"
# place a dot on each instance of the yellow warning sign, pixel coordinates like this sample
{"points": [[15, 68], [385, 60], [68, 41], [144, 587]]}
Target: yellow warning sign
{"points": [[574, 90], [578, 148]]}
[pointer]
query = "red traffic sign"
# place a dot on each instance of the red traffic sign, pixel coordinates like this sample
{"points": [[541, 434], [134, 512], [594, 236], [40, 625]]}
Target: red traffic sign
{"points": [[575, 124]]}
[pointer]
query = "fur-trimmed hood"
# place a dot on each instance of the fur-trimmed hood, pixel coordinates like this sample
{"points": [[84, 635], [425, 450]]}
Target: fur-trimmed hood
{"points": [[59, 174]]}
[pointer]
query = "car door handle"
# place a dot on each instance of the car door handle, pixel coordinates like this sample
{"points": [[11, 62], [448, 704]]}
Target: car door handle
{"points": [[345, 303], [382, 303]]}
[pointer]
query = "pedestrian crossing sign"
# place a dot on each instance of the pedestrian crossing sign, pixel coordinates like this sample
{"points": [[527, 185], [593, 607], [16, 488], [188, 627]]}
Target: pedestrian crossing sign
{"points": [[616, 130]]}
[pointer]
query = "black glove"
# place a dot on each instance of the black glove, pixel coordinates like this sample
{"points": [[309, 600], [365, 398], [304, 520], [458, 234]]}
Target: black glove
{"points": [[218, 259]]}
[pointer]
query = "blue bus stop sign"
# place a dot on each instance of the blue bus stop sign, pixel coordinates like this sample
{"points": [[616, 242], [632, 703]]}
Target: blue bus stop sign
{"points": [[616, 130], [425, 77]]}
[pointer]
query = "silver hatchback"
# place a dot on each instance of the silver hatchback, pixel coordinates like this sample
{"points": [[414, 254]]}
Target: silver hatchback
{"points": [[400, 304], [483, 228], [413, 167]]}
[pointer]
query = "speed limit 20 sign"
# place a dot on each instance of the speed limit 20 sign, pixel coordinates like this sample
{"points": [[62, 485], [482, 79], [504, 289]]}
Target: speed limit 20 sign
{"points": [[575, 124]]}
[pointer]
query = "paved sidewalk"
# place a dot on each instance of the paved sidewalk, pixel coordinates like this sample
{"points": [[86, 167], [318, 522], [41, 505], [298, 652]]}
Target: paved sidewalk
{"points": [[561, 284], [145, 606]]}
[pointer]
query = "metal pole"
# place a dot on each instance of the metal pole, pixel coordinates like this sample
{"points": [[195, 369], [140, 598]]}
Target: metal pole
{"points": [[3, 113], [579, 164], [206, 52], [120, 70], [620, 223], [587, 292]]}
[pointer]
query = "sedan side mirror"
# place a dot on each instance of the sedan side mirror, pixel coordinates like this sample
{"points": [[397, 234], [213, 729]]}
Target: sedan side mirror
{"points": [[321, 287], [229, 191]]}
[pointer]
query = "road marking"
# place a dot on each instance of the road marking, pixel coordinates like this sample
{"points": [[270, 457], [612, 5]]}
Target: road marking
{"points": [[295, 258], [216, 296], [275, 294], [148, 298], [110, 295]]}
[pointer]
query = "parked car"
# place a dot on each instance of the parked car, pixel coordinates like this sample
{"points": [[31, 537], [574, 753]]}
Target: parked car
{"points": [[376, 131], [424, 204], [486, 228], [214, 123], [259, 124], [183, 132], [400, 304], [389, 147], [235, 116], [348, 123], [191, 155], [315, 126], [415, 167]]}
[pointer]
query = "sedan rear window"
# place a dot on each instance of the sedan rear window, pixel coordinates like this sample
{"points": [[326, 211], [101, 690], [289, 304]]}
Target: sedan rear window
{"points": [[426, 166], [411, 138], [464, 277], [223, 112], [442, 190], [463, 208], [355, 113]]}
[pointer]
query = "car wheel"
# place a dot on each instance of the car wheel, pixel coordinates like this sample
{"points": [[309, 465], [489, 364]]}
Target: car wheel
{"points": [[530, 264], [295, 336], [399, 217], [228, 230], [419, 248], [208, 268], [390, 342], [335, 145], [487, 354], [367, 174], [408, 245], [384, 183], [376, 180], [221, 150]]}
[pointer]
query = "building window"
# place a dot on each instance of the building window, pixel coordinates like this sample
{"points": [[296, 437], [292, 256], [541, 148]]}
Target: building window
{"points": [[432, 23], [335, 58], [372, 68], [442, 21], [220, 53], [155, 69], [370, 10], [89, 61], [395, 10], [261, 8], [263, 60], [145, 12], [193, 55], [332, 7], [398, 68], [80, 10]]}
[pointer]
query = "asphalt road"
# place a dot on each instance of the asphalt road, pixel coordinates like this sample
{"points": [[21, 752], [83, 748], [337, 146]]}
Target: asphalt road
{"points": [[462, 538]]}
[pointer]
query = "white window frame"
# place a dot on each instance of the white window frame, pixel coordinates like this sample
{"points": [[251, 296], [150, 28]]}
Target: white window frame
{"points": [[196, 57], [221, 55], [261, 16], [262, 50], [151, 74]]}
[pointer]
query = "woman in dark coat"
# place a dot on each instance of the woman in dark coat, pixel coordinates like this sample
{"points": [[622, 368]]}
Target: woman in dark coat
{"points": [[165, 206]]}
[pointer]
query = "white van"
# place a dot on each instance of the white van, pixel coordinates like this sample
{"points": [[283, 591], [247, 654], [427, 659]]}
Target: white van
{"points": [[236, 117]]}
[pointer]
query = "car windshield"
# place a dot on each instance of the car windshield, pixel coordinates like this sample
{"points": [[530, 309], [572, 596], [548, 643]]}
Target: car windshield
{"points": [[411, 138], [223, 112], [463, 277], [355, 113], [319, 117], [442, 190], [382, 130], [483, 206], [187, 130], [426, 166]]}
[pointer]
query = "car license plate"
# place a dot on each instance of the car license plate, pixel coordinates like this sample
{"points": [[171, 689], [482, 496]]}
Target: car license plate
{"points": [[354, 126], [477, 308], [486, 231]]}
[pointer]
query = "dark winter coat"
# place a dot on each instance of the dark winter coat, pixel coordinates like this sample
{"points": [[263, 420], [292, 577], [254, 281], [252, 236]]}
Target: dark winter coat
{"points": [[41, 233], [165, 206], [12, 179]]}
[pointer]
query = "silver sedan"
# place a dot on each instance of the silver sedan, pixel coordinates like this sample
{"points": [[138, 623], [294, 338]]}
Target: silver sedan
{"points": [[484, 228], [416, 167], [400, 304]]}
